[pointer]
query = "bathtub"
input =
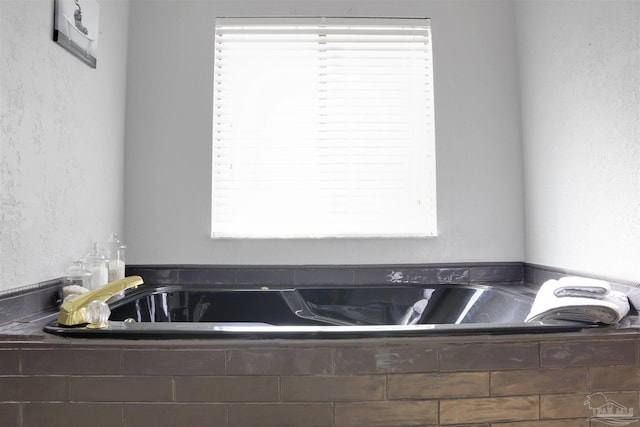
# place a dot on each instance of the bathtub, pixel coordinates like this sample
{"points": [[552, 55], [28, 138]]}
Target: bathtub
{"points": [[318, 312]]}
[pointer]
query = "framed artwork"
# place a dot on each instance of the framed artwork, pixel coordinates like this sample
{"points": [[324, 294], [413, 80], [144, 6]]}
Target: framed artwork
{"points": [[75, 28]]}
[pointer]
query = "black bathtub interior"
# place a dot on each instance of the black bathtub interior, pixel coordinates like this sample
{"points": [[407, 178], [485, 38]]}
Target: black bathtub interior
{"points": [[318, 312], [327, 306]]}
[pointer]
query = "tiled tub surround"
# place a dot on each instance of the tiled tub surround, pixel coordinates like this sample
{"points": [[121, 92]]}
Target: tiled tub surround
{"points": [[497, 381], [22, 310], [24, 303], [523, 381]]}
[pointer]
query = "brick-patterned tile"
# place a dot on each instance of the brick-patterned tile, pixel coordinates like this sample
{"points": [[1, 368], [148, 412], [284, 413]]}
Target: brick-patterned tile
{"points": [[612, 378], [385, 414], [174, 362], [121, 389], [438, 385], [332, 388], [174, 414], [489, 356], [57, 361], [281, 415], [576, 422], [385, 359], [66, 414], [270, 361], [588, 353], [469, 425], [490, 409], [9, 414], [9, 362], [34, 388], [227, 389], [521, 382], [562, 406]]}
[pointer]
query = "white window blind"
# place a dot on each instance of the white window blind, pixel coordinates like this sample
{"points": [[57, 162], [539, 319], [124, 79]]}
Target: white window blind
{"points": [[323, 128]]}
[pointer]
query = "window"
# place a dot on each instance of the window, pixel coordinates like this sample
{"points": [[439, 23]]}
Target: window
{"points": [[323, 128]]}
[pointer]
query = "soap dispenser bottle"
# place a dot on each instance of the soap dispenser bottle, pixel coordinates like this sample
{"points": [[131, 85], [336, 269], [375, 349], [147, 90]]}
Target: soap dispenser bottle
{"points": [[97, 266], [116, 258]]}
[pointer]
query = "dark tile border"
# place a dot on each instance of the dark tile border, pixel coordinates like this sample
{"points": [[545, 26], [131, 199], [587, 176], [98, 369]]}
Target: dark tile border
{"points": [[536, 275], [356, 275], [497, 273], [18, 304]]}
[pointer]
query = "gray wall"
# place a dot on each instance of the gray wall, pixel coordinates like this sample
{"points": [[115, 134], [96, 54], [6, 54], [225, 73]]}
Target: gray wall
{"points": [[575, 62], [62, 141], [168, 150], [580, 85]]}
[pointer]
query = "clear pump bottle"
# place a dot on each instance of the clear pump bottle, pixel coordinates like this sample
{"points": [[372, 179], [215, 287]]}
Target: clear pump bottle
{"points": [[116, 258]]}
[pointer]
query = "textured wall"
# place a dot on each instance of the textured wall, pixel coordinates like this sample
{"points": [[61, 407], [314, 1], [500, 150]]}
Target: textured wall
{"points": [[62, 141], [168, 151], [580, 80]]}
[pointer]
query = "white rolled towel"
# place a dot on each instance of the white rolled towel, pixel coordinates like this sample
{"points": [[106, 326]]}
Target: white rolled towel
{"points": [[578, 299], [571, 286]]}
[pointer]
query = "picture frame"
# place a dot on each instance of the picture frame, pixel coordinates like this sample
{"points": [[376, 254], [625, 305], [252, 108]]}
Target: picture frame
{"points": [[76, 28]]}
